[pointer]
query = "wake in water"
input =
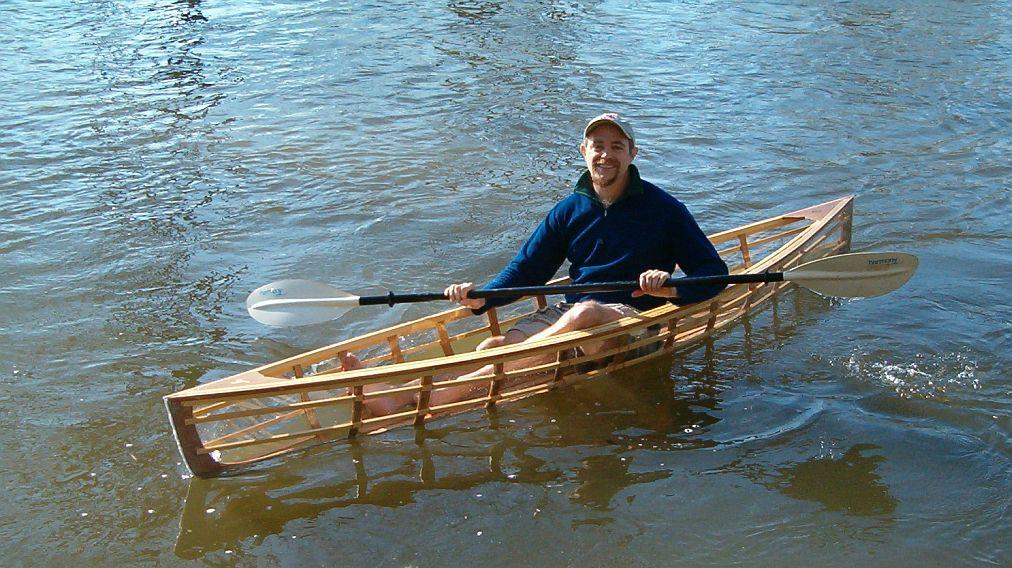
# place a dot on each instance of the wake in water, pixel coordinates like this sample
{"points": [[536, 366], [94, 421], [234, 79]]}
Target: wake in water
{"points": [[928, 376]]}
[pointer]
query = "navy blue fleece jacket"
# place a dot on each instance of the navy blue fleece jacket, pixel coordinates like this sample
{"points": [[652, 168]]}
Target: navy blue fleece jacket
{"points": [[645, 229]]}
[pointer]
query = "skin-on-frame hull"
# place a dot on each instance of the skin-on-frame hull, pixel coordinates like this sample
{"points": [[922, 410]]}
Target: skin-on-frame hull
{"points": [[226, 425]]}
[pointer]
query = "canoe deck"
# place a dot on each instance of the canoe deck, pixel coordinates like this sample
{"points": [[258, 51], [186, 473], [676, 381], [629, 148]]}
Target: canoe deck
{"points": [[226, 425]]}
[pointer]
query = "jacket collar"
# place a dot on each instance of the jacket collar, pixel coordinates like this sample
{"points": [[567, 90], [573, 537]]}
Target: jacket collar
{"points": [[633, 187]]}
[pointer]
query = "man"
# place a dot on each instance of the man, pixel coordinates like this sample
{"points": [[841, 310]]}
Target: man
{"points": [[614, 226]]}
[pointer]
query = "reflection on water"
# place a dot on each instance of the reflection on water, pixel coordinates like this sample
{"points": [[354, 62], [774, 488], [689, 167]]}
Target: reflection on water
{"points": [[223, 513], [603, 477], [848, 483], [591, 445], [588, 440]]}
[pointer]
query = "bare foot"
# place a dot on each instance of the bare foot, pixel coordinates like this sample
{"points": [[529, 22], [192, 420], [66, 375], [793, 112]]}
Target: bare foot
{"points": [[376, 406]]}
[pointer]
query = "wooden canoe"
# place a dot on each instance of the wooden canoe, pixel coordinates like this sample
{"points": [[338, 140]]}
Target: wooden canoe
{"points": [[224, 426]]}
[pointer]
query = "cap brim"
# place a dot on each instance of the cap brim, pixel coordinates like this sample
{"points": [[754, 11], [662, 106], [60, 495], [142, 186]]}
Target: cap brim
{"points": [[596, 123]]}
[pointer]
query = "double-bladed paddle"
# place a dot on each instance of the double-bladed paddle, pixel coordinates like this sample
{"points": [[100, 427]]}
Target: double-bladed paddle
{"points": [[855, 275]]}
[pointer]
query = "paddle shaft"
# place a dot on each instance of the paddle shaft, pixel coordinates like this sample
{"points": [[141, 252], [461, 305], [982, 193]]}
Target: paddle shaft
{"points": [[391, 298]]}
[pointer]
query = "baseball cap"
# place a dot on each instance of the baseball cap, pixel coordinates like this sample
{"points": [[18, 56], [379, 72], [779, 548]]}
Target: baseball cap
{"points": [[612, 118]]}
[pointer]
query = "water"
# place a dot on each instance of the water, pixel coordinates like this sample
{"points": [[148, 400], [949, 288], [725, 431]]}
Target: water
{"points": [[159, 160]]}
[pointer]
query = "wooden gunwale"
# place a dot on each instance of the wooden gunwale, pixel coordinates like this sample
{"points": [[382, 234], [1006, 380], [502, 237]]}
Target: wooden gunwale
{"points": [[535, 370], [659, 337], [682, 325], [511, 394], [411, 369]]}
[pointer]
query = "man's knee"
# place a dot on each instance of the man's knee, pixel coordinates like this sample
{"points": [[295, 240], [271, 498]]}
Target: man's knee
{"points": [[588, 314], [510, 337], [494, 341]]}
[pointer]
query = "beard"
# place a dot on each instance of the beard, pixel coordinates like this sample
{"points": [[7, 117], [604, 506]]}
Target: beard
{"points": [[604, 178]]}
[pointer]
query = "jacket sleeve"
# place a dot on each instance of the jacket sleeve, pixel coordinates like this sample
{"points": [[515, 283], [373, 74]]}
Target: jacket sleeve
{"points": [[536, 262], [696, 256]]}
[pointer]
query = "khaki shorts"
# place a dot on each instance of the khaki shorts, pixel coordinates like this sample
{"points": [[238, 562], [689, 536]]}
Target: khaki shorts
{"points": [[545, 317]]}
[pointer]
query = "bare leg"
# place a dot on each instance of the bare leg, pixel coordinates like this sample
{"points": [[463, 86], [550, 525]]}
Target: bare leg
{"points": [[581, 316]]}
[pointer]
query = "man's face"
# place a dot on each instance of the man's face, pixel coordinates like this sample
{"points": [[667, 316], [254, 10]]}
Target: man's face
{"points": [[608, 154]]}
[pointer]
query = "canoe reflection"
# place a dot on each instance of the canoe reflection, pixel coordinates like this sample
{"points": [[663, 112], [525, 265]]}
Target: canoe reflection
{"points": [[584, 440], [583, 449]]}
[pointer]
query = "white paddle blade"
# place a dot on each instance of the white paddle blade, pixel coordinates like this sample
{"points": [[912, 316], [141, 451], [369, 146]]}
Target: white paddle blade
{"points": [[288, 303], [855, 275]]}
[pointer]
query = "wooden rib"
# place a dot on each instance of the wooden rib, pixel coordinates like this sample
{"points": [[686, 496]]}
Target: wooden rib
{"points": [[624, 348], [422, 407], [845, 228], [743, 244], [493, 322], [356, 410], [748, 298], [540, 302], [311, 417], [395, 348], [498, 376], [560, 369], [444, 338], [672, 325], [714, 306]]}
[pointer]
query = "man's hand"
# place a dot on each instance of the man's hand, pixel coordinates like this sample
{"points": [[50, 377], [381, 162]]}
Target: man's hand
{"points": [[652, 283], [458, 293]]}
